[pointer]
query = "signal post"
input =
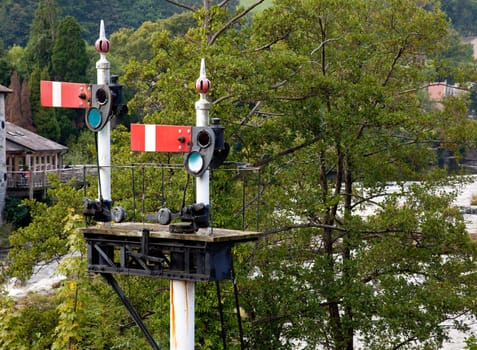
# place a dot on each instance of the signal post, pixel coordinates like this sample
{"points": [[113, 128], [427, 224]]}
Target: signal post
{"points": [[182, 293], [103, 78]]}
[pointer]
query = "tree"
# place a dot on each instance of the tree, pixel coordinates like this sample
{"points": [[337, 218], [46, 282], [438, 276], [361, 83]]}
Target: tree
{"points": [[69, 61], [13, 102], [39, 48], [18, 107], [324, 96], [356, 128], [68, 58], [128, 43], [5, 66], [16, 58], [15, 18], [461, 14], [457, 54], [33, 334], [25, 106]]}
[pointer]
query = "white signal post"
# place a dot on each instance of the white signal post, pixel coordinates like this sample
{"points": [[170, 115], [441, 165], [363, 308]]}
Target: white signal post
{"points": [[202, 107], [103, 68], [182, 293]]}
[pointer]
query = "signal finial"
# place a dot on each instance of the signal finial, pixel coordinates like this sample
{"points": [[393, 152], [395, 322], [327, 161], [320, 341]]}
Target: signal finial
{"points": [[102, 44], [202, 85]]}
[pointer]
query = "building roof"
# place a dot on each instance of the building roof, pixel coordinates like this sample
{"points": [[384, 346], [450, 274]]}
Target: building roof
{"points": [[20, 139], [4, 89]]}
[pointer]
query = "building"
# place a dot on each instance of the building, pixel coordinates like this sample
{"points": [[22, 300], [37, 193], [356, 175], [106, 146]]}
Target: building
{"points": [[438, 91], [29, 159]]}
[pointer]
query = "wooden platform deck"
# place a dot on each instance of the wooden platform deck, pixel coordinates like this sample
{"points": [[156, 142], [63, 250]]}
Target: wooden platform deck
{"points": [[134, 229], [145, 249]]}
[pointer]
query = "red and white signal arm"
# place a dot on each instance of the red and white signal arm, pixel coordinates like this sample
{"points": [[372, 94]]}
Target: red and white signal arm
{"points": [[160, 138], [66, 95]]}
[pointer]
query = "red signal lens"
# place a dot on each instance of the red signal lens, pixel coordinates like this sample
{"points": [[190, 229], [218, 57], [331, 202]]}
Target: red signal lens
{"points": [[203, 139]]}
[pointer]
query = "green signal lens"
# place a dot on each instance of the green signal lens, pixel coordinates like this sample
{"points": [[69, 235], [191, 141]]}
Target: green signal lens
{"points": [[94, 118], [195, 162]]}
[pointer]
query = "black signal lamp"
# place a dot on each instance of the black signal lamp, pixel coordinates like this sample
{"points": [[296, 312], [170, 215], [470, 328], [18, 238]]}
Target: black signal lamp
{"points": [[201, 152], [100, 107]]}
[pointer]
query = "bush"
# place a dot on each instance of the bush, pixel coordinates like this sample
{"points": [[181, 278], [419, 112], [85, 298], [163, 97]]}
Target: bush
{"points": [[15, 213]]}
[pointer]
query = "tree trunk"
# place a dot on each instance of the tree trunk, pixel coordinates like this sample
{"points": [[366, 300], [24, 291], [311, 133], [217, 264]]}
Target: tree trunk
{"points": [[348, 330], [328, 242], [13, 101]]}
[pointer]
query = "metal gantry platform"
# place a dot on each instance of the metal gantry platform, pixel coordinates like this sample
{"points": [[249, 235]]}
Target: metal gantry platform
{"points": [[144, 249], [151, 250]]}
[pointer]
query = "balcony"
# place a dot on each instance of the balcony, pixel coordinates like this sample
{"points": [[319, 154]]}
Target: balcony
{"points": [[25, 183]]}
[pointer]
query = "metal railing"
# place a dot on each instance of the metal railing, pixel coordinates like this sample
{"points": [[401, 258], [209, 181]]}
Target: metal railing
{"points": [[39, 179]]}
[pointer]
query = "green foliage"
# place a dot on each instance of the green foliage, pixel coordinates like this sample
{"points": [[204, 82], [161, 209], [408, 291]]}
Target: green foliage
{"points": [[471, 343], [82, 150], [247, 3], [136, 44], [5, 66], [16, 16], [69, 310], [454, 64], [5, 231], [68, 57], [47, 123], [16, 213], [43, 239], [42, 35], [38, 74], [15, 19], [322, 94], [15, 57], [462, 15], [29, 324], [208, 327], [84, 313]]}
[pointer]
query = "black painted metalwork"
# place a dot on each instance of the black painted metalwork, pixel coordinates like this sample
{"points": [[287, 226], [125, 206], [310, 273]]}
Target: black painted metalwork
{"points": [[152, 250], [148, 255], [132, 311]]}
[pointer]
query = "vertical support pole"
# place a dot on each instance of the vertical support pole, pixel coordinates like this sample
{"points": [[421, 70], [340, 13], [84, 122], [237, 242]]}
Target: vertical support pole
{"points": [[104, 135], [182, 315], [31, 171], [202, 107], [183, 292]]}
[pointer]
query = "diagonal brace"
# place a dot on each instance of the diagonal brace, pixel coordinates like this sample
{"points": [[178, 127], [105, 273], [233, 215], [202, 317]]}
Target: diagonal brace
{"points": [[132, 311]]}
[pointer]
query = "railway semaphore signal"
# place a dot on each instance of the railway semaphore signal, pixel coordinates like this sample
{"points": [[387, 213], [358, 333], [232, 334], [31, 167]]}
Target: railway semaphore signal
{"points": [[185, 252], [99, 102]]}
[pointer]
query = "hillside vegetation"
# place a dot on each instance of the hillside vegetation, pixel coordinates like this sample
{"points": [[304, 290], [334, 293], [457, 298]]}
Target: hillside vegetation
{"points": [[16, 16]]}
